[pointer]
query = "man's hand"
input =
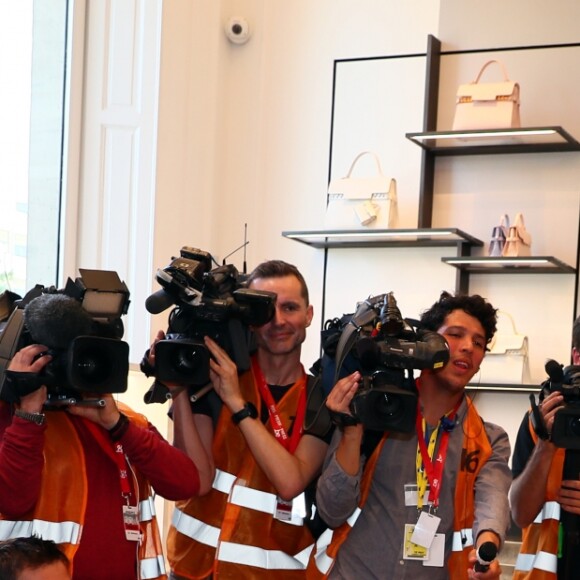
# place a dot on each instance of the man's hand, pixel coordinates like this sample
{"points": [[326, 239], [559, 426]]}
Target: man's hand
{"points": [[224, 376], [31, 359], [549, 407], [339, 399], [106, 416], [569, 496], [492, 573]]}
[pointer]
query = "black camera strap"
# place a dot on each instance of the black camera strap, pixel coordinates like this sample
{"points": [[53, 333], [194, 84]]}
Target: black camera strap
{"points": [[365, 313]]}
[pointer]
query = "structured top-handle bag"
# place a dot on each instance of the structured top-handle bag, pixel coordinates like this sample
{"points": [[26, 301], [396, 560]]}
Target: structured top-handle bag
{"points": [[482, 105], [362, 202], [499, 236], [519, 241], [506, 361]]}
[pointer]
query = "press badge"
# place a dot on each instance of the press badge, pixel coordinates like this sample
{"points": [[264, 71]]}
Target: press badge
{"points": [[436, 552], [292, 512], [412, 551], [425, 529], [131, 523], [412, 494]]}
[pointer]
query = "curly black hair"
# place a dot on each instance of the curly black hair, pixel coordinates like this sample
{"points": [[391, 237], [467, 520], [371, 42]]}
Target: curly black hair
{"points": [[474, 305]]}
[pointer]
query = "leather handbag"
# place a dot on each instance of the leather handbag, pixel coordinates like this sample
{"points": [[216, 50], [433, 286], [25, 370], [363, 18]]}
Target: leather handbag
{"points": [[362, 202], [488, 105], [506, 361], [519, 241], [499, 236]]}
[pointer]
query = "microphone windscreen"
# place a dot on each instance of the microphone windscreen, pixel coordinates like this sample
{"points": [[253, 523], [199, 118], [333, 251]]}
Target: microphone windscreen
{"points": [[158, 302], [487, 552], [555, 371], [55, 320]]}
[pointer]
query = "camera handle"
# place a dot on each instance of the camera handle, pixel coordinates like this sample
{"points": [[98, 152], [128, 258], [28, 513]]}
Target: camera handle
{"points": [[68, 401]]}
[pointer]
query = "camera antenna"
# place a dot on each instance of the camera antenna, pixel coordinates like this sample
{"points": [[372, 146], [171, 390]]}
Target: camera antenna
{"points": [[246, 242]]}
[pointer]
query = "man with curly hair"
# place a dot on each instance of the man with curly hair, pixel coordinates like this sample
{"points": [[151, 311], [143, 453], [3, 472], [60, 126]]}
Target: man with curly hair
{"points": [[417, 505]]}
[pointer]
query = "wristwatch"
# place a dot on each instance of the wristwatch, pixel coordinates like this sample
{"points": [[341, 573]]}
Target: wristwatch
{"points": [[248, 410], [37, 418]]}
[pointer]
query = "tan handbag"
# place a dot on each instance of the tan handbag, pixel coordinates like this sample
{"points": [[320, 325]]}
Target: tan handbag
{"points": [[488, 105], [519, 241], [362, 202]]}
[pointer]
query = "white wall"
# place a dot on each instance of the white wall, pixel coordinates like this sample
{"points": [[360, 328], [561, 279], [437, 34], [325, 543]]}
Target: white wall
{"points": [[244, 131]]}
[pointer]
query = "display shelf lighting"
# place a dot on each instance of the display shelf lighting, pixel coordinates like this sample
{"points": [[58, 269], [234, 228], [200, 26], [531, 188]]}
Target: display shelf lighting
{"points": [[369, 233], [483, 134], [499, 261]]}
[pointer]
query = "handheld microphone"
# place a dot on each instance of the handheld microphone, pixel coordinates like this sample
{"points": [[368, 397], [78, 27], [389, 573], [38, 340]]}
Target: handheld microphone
{"points": [[55, 320], [555, 371], [486, 554]]}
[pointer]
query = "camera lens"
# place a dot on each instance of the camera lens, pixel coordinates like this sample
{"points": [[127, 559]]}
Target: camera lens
{"points": [[388, 404], [574, 426], [188, 358]]}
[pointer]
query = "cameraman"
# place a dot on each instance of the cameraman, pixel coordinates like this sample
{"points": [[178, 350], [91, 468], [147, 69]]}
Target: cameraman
{"points": [[453, 487], [251, 524], [84, 477], [550, 544]]}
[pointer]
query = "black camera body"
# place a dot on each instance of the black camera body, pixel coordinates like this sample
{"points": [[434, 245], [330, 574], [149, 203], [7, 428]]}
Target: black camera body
{"points": [[207, 302], [566, 427], [81, 327], [384, 347]]}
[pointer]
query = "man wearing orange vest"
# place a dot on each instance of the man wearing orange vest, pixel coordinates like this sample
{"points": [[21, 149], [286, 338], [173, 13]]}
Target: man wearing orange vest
{"points": [[416, 505], [252, 524], [544, 502], [84, 478]]}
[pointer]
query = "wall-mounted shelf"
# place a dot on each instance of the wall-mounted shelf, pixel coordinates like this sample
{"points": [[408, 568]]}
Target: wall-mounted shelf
{"points": [[496, 141], [503, 388], [383, 238], [517, 265]]}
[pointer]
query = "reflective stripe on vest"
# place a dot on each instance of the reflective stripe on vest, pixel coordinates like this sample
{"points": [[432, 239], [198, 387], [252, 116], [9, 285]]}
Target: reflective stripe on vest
{"points": [[550, 511], [147, 509], [152, 568], [58, 532], [195, 529], [458, 543], [540, 561], [255, 499], [260, 558], [321, 557]]}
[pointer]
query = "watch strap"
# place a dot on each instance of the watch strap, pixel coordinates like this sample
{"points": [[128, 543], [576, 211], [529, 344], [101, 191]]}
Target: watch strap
{"points": [[248, 410], [38, 418]]}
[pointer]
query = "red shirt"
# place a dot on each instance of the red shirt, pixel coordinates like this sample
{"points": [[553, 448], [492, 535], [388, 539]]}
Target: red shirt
{"points": [[103, 550]]}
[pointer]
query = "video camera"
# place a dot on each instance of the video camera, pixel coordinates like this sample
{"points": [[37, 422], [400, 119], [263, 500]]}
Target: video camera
{"points": [[208, 302], [377, 341], [566, 427], [81, 327]]}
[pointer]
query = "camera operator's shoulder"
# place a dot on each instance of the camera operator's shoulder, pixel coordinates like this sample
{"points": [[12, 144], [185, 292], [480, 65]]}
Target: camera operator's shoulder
{"points": [[134, 416], [498, 439]]}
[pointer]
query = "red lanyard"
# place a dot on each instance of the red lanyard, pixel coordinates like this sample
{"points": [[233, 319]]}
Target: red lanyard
{"points": [[115, 451], [434, 469], [289, 443]]}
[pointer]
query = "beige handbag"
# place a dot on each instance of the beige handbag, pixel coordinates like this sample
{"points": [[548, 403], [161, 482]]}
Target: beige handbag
{"points": [[519, 241], [488, 105], [506, 361], [362, 202]]}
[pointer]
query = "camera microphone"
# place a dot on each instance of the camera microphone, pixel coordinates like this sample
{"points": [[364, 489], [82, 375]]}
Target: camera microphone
{"points": [[55, 320], [486, 554], [158, 302], [555, 371]]}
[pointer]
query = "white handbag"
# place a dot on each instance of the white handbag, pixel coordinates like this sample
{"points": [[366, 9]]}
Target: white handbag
{"points": [[507, 361], [488, 105], [362, 202]]}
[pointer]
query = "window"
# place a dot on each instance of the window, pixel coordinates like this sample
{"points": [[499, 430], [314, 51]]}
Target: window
{"points": [[33, 54]]}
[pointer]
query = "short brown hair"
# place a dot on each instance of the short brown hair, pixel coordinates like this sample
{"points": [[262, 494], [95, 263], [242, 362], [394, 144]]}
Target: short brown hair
{"points": [[279, 269]]}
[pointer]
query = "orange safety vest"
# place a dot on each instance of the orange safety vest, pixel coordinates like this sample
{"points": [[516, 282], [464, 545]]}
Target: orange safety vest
{"points": [[476, 451], [538, 557], [231, 532], [64, 476]]}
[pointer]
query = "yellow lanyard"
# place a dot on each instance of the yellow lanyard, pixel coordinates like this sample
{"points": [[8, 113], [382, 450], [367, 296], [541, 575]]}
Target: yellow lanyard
{"points": [[422, 480]]}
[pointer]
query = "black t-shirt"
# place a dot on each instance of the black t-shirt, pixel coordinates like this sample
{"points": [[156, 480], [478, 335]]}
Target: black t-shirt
{"points": [[211, 405], [523, 448]]}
